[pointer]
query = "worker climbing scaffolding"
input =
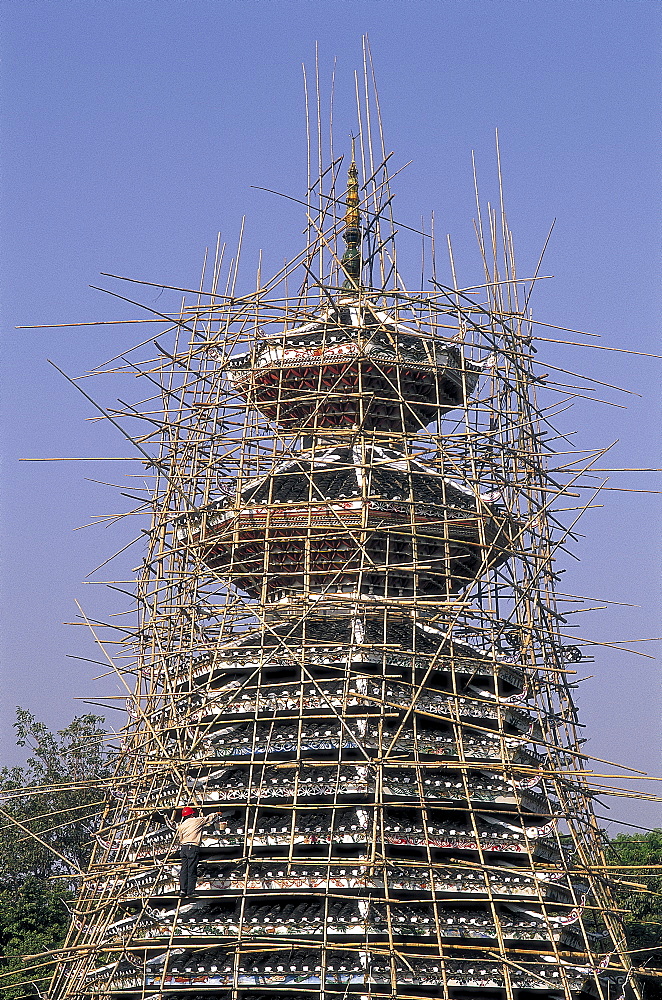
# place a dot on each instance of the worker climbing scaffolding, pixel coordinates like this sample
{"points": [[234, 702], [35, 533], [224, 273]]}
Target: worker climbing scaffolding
{"points": [[189, 836]]}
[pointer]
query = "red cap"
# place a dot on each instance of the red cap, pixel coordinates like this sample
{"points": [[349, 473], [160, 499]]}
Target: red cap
{"points": [[187, 811]]}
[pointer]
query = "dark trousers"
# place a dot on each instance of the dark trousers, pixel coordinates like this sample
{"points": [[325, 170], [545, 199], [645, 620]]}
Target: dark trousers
{"points": [[188, 873]]}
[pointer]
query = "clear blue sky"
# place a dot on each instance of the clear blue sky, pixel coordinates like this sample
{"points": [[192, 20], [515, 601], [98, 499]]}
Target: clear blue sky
{"points": [[131, 133]]}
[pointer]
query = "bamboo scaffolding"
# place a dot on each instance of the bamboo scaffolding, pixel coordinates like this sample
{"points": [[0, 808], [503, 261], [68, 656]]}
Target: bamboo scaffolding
{"points": [[348, 635]]}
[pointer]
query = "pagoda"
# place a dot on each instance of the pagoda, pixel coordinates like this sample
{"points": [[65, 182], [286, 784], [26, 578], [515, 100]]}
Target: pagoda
{"points": [[386, 735]]}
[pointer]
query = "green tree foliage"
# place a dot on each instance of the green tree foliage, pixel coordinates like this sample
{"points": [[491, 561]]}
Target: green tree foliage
{"points": [[641, 857], [55, 796], [644, 919]]}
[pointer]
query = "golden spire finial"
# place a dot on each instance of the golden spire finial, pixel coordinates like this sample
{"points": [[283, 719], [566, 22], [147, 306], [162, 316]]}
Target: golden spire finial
{"points": [[351, 261]]}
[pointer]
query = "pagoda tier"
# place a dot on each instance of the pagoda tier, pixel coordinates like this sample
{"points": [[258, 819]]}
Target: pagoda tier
{"points": [[354, 365], [423, 646], [308, 878], [285, 972], [351, 520], [207, 922]]}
